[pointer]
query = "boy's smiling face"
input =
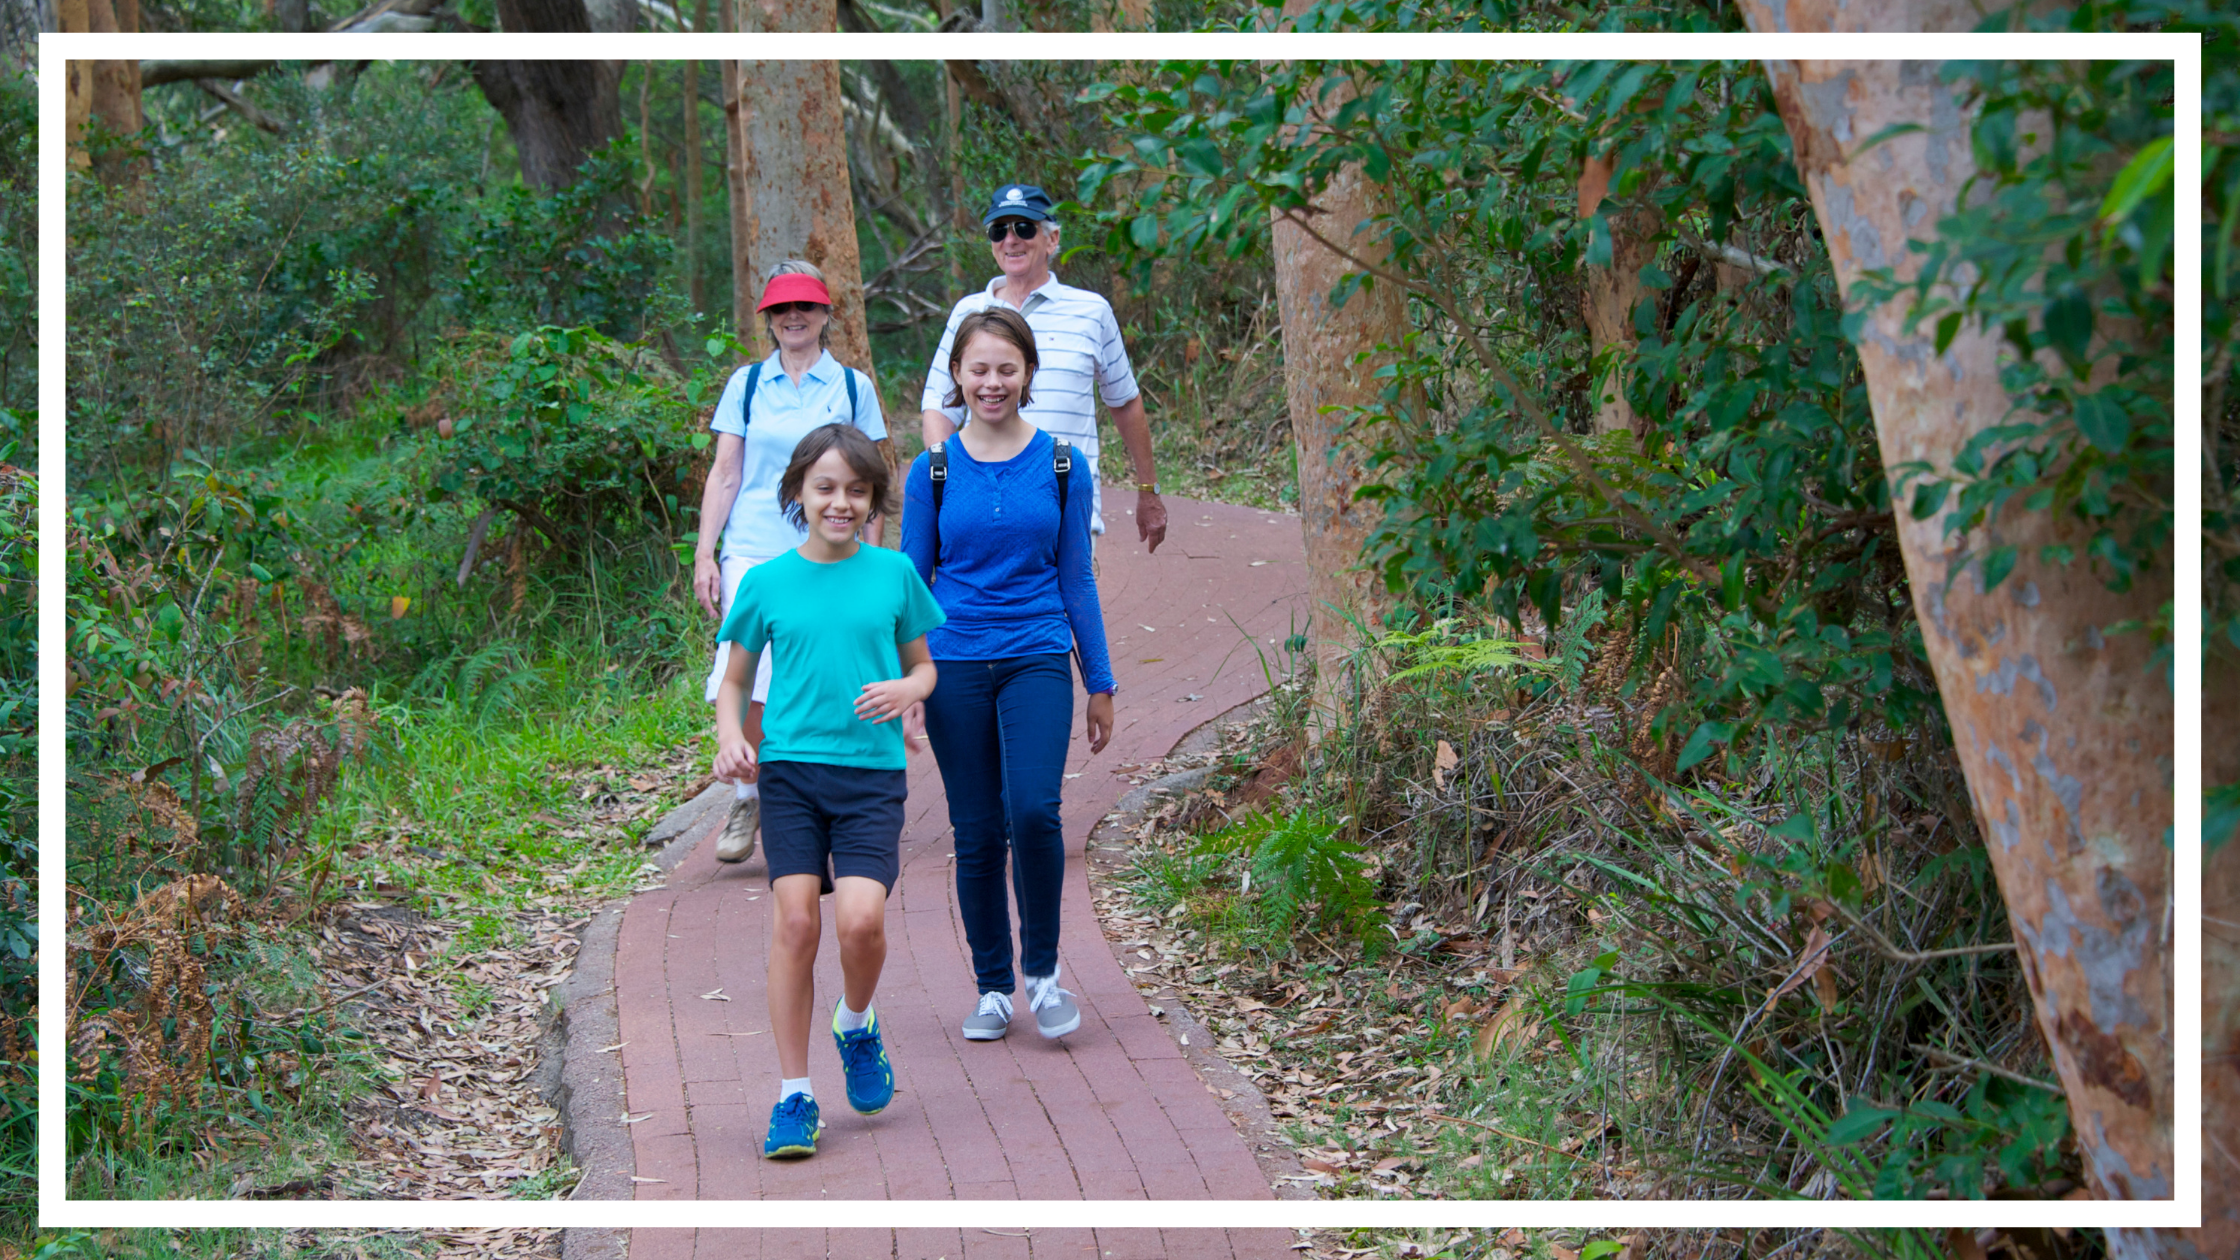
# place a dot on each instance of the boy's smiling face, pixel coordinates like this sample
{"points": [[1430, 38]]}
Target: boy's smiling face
{"points": [[836, 499]]}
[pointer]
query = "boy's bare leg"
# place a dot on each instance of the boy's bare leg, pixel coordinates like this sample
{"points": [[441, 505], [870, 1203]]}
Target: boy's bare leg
{"points": [[794, 928], [859, 913]]}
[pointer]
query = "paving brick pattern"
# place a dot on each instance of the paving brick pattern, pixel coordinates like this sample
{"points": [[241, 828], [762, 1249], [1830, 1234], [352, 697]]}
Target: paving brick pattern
{"points": [[992, 1242], [1112, 1111]]}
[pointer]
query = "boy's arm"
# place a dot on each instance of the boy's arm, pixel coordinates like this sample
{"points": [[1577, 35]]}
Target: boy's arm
{"points": [[735, 759], [888, 699]]}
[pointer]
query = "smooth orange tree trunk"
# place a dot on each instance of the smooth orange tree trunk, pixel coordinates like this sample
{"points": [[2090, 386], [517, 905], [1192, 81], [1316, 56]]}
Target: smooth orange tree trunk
{"points": [[2063, 728], [1609, 294], [1320, 380], [790, 190]]}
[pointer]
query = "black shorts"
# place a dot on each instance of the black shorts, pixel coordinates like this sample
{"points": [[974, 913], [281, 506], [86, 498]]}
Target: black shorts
{"points": [[851, 817]]}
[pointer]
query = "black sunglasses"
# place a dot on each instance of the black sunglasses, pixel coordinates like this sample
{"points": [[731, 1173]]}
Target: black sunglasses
{"points": [[788, 308], [1024, 229]]}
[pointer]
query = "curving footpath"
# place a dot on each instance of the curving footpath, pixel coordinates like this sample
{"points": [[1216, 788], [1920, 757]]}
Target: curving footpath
{"points": [[1112, 1111]]}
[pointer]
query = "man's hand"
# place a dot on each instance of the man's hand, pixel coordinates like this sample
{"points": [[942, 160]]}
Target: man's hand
{"points": [[1151, 519], [707, 584], [735, 761]]}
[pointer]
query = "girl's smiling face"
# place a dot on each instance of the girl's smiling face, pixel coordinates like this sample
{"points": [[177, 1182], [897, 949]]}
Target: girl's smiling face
{"points": [[993, 374], [836, 499]]}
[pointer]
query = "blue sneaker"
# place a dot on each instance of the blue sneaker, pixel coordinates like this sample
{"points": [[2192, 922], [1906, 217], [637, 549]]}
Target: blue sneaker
{"points": [[863, 1057], [793, 1128]]}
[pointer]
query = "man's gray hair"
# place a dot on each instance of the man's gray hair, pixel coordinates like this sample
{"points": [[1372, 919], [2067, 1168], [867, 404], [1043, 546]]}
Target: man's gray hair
{"points": [[797, 267]]}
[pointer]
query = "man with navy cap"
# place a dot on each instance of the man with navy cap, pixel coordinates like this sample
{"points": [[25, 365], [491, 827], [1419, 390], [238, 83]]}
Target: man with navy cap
{"points": [[1076, 336]]}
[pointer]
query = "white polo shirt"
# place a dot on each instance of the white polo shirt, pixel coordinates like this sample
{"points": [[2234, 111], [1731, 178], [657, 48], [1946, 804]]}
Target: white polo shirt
{"points": [[1077, 338]]}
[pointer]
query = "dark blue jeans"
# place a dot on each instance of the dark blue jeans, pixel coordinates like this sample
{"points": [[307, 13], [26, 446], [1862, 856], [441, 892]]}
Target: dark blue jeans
{"points": [[1000, 730]]}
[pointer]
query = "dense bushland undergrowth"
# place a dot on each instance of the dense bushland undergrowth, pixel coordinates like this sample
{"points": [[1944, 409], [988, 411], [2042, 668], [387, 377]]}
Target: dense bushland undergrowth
{"points": [[1698, 897], [382, 465], [19, 844]]}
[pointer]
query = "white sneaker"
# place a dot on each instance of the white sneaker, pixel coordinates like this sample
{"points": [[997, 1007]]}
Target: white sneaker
{"points": [[992, 1020], [737, 843], [1055, 1014]]}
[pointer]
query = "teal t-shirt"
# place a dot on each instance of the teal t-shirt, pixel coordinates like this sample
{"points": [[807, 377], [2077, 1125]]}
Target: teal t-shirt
{"points": [[836, 627]]}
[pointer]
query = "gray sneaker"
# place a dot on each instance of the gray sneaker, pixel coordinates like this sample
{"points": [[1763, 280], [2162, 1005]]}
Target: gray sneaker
{"points": [[992, 1020], [737, 842], [1055, 1014]]}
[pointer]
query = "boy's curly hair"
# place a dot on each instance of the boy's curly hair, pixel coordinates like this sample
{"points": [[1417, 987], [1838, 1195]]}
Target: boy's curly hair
{"points": [[862, 456]]}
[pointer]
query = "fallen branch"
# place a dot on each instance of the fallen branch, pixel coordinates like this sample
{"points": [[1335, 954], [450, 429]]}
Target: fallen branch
{"points": [[156, 72], [1910, 957], [240, 105], [1960, 1060], [1734, 257], [1514, 1137]]}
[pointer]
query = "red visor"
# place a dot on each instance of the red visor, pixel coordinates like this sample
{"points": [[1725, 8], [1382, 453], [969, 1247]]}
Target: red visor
{"points": [[794, 287]]}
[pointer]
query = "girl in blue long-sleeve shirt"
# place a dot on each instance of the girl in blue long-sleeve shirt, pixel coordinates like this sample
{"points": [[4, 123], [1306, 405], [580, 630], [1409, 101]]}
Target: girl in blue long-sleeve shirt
{"points": [[1017, 585]]}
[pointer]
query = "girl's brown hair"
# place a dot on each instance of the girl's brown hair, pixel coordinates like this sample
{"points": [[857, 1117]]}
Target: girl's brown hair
{"points": [[1003, 322], [863, 459]]}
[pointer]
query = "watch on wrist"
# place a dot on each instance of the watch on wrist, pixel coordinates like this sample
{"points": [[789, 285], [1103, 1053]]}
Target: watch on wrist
{"points": [[1147, 487]]}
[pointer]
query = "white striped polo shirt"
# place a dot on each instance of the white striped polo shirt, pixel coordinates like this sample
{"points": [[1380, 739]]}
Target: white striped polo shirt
{"points": [[1077, 338]]}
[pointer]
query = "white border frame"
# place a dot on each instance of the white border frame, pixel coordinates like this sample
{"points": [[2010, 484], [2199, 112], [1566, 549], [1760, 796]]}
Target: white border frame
{"points": [[2184, 1210]]}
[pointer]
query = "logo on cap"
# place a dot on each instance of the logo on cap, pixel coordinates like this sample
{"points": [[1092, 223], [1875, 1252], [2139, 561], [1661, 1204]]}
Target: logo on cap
{"points": [[1014, 197]]}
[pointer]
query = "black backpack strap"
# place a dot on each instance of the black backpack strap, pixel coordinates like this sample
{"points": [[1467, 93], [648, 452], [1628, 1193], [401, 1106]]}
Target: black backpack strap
{"points": [[1061, 463], [937, 468], [746, 397]]}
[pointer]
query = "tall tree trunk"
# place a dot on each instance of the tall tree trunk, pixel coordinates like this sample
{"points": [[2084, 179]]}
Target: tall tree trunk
{"points": [[960, 211], [791, 195], [1319, 342], [645, 138], [692, 208], [2065, 735], [738, 175], [556, 111], [103, 91], [1610, 293]]}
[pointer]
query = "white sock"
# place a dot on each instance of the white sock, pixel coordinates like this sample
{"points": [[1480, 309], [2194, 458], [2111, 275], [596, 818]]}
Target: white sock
{"points": [[846, 1020], [745, 791], [792, 1085]]}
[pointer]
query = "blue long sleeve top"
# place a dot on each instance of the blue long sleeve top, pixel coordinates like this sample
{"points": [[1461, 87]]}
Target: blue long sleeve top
{"points": [[1012, 581]]}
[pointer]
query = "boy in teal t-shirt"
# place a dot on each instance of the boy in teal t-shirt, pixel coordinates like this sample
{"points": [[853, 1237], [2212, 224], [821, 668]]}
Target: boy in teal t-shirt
{"points": [[852, 622]]}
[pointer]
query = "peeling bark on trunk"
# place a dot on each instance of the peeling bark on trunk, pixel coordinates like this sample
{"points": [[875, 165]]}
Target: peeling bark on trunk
{"points": [[2065, 735], [105, 90], [1319, 342], [1609, 294]]}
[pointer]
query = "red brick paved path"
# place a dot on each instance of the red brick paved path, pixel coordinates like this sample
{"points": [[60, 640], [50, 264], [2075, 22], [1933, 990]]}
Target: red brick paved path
{"points": [[1110, 1112]]}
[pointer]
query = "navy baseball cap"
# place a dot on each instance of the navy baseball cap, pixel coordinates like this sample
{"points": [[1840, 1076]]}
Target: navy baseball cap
{"points": [[1017, 201]]}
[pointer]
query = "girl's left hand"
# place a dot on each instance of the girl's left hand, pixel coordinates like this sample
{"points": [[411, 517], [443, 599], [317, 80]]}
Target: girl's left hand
{"points": [[885, 701], [1100, 720]]}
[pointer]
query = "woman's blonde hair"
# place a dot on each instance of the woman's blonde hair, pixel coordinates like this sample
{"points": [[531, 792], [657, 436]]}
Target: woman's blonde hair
{"points": [[797, 267]]}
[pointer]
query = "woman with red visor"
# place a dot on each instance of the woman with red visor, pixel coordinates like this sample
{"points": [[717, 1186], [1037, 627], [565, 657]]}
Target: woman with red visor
{"points": [[765, 411]]}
